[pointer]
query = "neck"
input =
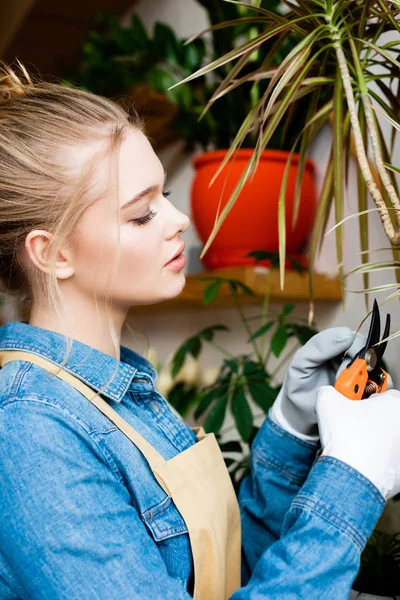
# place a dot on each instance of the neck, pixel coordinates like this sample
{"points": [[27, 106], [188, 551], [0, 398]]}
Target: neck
{"points": [[84, 322]]}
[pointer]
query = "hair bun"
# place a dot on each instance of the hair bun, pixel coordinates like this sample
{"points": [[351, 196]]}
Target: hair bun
{"points": [[13, 84]]}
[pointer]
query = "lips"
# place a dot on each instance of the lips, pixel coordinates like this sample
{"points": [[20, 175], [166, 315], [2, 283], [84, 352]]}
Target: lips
{"points": [[181, 249]]}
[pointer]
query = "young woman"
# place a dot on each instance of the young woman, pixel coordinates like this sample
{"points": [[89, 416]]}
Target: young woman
{"points": [[105, 492]]}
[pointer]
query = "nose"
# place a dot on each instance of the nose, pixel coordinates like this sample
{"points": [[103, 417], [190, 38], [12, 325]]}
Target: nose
{"points": [[178, 222]]}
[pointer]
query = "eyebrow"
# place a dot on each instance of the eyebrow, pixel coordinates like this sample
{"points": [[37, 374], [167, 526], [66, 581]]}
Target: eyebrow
{"points": [[143, 193]]}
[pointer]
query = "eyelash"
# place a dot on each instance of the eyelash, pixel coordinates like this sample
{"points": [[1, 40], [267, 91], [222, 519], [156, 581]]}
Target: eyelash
{"points": [[147, 218]]}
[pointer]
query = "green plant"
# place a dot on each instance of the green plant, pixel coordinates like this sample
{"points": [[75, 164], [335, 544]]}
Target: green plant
{"points": [[380, 566], [116, 59], [246, 379], [378, 265], [342, 65]]}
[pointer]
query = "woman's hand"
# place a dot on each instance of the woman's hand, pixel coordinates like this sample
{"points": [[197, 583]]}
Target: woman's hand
{"points": [[314, 365], [364, 434]]}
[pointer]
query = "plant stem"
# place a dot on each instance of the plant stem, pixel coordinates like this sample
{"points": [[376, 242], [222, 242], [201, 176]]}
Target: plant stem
{"points": [[221, 349], [265, 307], [394, 236], [246, 326], [282, 362], [266, 359]]}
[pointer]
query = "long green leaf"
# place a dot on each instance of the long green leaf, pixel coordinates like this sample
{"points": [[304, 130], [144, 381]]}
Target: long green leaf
{"points": [[224, 85], [378, 288], [282, 220], [243, 178], [242, 133], [304, 146], [320, 218], [382, 52], [374, 266], [338, 168], [392, 168], [353, 216], [235, 53], [387, 109], [255, 76], [388, 14], [226, 24], [363, 202], [289, 73], [287, 68], [394, 123]]}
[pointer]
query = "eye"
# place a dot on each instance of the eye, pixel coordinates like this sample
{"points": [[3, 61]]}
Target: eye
{"points": [[146, 219]]}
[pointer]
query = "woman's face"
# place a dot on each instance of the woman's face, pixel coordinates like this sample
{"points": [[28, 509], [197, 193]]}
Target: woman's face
{"points": [[150, 234]]}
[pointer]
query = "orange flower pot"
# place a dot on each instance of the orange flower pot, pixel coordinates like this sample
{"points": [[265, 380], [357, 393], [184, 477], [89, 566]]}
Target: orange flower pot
{"points": [[252, 223]]}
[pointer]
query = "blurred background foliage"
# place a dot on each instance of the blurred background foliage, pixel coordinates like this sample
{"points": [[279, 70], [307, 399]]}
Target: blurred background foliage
{"points": [[115, 60]]}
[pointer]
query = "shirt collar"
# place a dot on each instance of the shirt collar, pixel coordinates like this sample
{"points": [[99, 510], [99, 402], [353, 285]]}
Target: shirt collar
{"points": [[93, 367]]}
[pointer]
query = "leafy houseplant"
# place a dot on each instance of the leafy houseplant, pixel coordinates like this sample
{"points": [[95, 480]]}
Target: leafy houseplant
{"points": [[127, 62], [116, 59], [373, 266], [342, 65], [246, 380], [380, 566], [131, 63]]}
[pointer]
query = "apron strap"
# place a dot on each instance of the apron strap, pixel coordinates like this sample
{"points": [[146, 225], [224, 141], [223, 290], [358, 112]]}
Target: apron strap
{"points": [[154, 459]]}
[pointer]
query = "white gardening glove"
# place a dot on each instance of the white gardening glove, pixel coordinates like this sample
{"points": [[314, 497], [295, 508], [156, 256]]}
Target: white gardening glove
{"points": [[315, 364], [364, 434]]}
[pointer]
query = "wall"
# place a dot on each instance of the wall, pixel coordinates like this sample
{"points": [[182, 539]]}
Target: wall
{"points": [[166, 331]]}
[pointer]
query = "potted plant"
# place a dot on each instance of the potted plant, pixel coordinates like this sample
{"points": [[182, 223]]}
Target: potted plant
{"points": [[335, 48], [129, 62]]}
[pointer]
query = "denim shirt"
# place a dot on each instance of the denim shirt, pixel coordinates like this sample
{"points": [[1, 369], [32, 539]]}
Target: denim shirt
{"points": [[82, 516]]}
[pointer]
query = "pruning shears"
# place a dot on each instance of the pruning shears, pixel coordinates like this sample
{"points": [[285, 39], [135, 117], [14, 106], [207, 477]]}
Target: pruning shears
{"points": [[364, 375]]}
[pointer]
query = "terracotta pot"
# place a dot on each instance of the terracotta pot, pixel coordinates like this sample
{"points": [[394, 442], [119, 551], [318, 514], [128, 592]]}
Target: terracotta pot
{"points": [[252, 223]]}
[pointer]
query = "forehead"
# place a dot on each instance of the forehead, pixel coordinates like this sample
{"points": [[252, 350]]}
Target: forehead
{"points": [[139, 166]]}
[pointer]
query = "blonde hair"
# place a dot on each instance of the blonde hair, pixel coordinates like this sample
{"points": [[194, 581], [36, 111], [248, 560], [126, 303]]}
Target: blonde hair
{"points": [[39, 123]]}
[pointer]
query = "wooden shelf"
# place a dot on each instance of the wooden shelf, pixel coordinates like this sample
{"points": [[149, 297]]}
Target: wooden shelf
{"points": [[296, 289]]}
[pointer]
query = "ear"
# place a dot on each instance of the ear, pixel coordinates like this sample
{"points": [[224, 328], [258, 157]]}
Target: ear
{"points": [[38, 249]]}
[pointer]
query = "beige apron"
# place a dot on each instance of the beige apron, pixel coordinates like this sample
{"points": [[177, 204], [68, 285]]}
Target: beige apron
{"points": [[198, 483]]}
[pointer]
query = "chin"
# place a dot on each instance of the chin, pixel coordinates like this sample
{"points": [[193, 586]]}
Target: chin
{"points": [[174, 289], [168, 292]]}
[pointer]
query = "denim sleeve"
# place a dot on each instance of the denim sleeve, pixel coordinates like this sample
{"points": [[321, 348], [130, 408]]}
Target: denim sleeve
{"points": [[280, 463], [323, 534], [68, 527]]}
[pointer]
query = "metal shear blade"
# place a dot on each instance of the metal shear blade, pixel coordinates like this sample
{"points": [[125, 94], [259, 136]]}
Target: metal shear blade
{"points": [[374, 349]]}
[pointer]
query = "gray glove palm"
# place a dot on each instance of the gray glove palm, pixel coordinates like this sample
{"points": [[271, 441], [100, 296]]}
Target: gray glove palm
{"points": [[316, 364]]}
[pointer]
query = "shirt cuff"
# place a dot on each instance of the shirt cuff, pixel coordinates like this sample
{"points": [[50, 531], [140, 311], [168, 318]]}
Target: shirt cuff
{"points": [[343, 497], [285, 453]]}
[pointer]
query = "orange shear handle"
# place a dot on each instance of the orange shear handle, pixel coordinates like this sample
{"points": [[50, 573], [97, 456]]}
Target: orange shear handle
{"points": [[352, 382]]}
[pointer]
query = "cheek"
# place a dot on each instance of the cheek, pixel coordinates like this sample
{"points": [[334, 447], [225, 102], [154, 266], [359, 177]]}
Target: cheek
{"points": [[139, 261], [139, 253], [94, 250]]}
